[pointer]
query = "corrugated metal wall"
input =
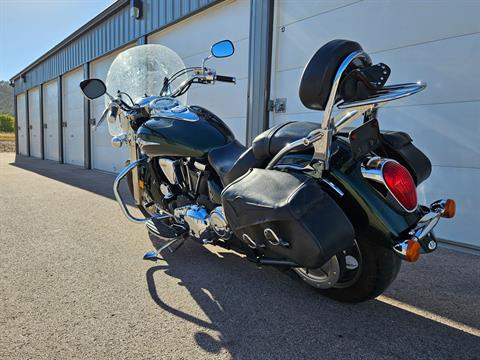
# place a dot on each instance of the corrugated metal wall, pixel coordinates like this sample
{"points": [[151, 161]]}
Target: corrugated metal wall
{"points": [[112, 33]]}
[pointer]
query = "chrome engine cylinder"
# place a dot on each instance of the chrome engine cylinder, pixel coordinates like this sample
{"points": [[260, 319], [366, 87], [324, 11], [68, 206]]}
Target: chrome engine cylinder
{"points": [[200, 222], [219, 223]]}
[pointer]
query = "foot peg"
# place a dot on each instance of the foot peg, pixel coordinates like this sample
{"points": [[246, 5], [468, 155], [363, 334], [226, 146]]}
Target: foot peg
{"points": [[172, 234], [153, 255]]}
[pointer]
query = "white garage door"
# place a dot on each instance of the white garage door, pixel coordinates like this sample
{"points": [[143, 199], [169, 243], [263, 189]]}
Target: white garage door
{"points": [[104, 156], [192, 40], [50, 119], [438, 42], [35, 125], [22, 125], [72, 108]]}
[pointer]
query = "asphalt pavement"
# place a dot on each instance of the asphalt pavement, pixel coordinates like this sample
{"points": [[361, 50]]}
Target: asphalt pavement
{"points": [[73, 285]]}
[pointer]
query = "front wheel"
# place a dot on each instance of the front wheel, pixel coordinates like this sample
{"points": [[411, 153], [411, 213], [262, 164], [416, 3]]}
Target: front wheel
{"points": [[360, 273]]}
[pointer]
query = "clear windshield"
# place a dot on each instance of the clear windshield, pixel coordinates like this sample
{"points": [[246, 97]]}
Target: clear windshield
{"points": [[140, 71]]}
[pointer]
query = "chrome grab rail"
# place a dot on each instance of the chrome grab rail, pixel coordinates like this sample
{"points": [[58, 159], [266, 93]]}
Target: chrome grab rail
{"points": [[351, 111], [118, 197], [307, 141], [388, 93]]}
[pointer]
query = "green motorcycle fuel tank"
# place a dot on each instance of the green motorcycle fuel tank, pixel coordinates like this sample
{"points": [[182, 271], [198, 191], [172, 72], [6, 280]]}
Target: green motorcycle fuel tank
{"points": [[178, 130]]}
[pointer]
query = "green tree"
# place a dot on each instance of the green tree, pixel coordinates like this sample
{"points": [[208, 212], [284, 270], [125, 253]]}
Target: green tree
{"points": [[6, 98], [7, 123]]}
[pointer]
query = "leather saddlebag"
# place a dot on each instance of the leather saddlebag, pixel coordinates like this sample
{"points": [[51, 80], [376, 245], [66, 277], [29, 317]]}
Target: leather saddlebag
{"points": [[398, 145], [286, 216]]}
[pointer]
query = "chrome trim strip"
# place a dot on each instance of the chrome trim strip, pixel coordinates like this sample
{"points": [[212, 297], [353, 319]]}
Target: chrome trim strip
{"points": [[334, 187]]}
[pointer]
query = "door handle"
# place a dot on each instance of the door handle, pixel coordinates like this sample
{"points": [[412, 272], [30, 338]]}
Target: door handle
{"points": [[92, 121], [44, 126], [64, 124]]}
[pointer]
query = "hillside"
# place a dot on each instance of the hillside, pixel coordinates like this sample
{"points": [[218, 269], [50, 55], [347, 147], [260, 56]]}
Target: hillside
{"points": [[6, 98]]}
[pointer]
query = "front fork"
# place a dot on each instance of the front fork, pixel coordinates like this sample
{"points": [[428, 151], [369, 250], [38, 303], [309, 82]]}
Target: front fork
{"points": [[133, 151]]}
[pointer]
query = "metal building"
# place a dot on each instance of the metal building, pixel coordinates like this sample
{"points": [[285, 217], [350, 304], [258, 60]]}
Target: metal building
{"points": [[438, 42]]}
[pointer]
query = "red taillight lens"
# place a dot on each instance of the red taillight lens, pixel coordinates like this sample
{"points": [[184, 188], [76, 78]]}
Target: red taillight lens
{"points": [[401, 184]]}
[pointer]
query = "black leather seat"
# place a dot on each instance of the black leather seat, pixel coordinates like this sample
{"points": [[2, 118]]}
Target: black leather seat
{"points": [[270, 142], [232, 161]]}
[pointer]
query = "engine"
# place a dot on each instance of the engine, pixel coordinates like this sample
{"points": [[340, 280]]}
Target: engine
{"points": [[203, 220], [201, 224]]}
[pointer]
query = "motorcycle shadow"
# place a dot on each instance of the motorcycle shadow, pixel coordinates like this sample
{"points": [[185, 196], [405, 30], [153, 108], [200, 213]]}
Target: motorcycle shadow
{"points": [[265, 314]]}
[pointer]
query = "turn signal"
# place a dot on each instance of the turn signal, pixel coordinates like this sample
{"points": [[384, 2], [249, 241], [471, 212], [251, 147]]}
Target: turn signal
{"points": [[141, 184], [413, 250], [449, 209]]}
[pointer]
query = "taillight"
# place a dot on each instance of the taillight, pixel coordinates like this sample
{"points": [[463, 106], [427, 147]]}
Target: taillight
{"points": [[401, 184]]}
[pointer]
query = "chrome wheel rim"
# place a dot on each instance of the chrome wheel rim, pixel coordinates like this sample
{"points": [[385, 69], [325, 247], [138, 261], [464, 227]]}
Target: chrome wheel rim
{"points": [[342, 270], [323, 277]]}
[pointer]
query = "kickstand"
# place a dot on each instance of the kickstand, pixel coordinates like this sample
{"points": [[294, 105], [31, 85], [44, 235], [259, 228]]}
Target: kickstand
{"points": [[172, 246]]}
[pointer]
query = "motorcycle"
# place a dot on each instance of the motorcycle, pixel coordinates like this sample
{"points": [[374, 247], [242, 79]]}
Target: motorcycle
{"points": [[336, 205]]}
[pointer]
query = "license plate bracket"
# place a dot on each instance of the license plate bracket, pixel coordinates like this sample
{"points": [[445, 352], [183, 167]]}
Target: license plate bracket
{"points": [[364, 139]]}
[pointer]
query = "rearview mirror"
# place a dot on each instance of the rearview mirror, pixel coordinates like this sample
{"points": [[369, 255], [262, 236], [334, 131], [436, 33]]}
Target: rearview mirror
{"points": [[93, 88], [222, 49]]}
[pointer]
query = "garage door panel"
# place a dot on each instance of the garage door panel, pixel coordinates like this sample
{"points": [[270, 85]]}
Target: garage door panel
{"points": [[291, 11], [447, 80], [72, 107], [50, 119], [447, 138], [229, 20], [437, 42], [225, 100], [104, 156], [416, 22], [238, 125], [286, 86], [35, 124], [455, 183], [232, 66], [22, 125]]}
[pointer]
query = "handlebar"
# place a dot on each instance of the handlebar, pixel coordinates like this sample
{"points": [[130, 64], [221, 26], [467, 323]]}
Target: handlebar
{"points": [[227, 79]]}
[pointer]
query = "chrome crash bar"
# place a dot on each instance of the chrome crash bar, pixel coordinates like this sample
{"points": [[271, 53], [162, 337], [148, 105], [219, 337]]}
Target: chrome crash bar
{"points": [[116, 185]]}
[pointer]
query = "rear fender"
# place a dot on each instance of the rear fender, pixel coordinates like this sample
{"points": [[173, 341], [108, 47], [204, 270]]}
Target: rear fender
{"points": [[372, 217]]}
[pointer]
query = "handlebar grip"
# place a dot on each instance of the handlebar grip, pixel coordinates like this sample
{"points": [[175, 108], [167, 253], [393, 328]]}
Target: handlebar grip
{"points": [[228, 79], [113, 113]]}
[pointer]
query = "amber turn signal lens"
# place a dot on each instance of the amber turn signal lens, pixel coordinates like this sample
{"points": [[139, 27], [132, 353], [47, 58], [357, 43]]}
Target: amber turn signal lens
{"points": [[141, 184], [413, 251], [450, 209]]}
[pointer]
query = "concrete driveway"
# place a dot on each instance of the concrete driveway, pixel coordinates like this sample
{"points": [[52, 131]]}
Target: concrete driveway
{"points": [[73, 285]]}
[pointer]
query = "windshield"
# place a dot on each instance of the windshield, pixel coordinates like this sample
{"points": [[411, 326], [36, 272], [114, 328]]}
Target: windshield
{"points": [[140, 71]]}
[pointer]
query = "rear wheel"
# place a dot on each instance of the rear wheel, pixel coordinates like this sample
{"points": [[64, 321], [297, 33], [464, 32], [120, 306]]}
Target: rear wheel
{"points": [[360, 273]]}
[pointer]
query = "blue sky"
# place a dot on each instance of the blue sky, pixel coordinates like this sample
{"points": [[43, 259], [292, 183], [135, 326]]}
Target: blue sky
{"points": [[29, 28]]}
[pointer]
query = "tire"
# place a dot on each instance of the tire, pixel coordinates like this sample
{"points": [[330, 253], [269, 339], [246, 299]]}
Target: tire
{"points": [[378, 269]]}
